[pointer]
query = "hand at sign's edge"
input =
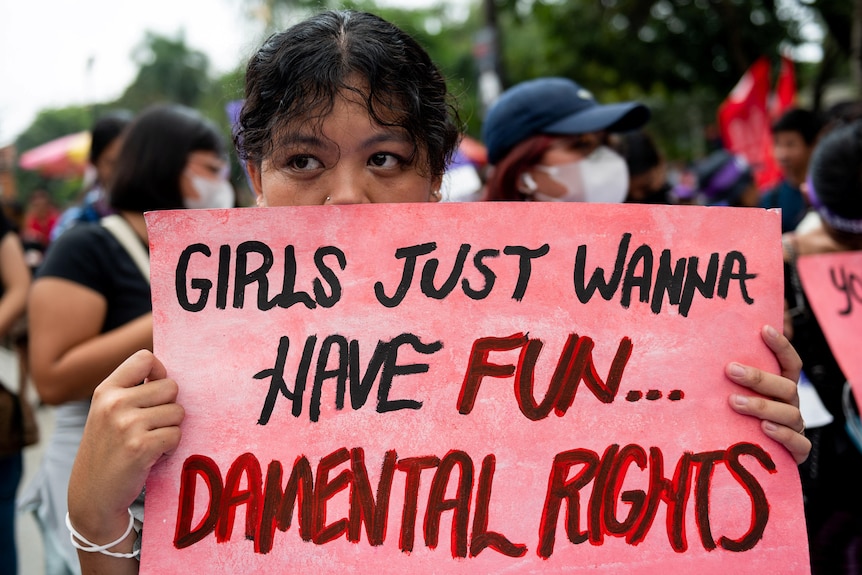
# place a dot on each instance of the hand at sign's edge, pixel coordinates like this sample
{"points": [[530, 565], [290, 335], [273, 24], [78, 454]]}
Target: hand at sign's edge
{"points": [[778, 404], [129, 427]]}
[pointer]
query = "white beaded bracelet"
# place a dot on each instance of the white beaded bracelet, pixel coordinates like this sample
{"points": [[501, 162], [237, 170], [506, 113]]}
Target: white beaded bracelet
{"points": [[103, 549]]}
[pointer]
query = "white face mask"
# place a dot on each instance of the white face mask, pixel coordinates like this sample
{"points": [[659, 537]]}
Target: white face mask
{"points": [[212, 194], [601, 177]]}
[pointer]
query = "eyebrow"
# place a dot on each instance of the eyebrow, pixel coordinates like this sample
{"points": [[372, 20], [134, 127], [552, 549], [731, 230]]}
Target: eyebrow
{"points": [[214, 165], [382, 137], [389, 135], [293, 139]]}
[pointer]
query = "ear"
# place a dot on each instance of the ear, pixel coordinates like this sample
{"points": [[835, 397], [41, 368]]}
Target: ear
{"points": [[187, 190], [436, 192], [254, 174]]}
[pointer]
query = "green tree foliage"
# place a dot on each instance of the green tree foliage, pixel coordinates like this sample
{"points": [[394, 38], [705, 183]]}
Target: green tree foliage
{"points": [[837, 16], [843, 27], [676, 44], [680, 56], [169, 71]]}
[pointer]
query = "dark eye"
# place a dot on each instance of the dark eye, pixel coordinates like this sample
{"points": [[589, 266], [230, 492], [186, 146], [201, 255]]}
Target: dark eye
{"points": [[384, 160], [303, 163]]}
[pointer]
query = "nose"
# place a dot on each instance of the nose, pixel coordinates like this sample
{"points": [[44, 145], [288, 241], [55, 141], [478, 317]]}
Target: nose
{"points": [[349, 187]]}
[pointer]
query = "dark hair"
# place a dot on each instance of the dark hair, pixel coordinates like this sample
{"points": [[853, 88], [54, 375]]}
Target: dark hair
{"points": [[106, 129], [804, 122], [154, 154], [504, 180], [297, 74], [836, 171], [843, 112], [723, 178], [640, 152]]}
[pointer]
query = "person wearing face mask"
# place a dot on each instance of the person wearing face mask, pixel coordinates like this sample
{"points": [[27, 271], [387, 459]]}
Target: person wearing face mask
{"points": [[89, 306], [210, 183], [547, 140]]}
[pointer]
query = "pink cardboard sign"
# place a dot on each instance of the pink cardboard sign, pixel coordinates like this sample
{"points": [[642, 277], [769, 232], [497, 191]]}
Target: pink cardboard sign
{"points": [[833, 286], [468, 388]]}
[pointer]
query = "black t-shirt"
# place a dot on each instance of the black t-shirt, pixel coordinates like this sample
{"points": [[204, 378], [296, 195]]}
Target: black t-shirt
{"points": [[89, 255]]}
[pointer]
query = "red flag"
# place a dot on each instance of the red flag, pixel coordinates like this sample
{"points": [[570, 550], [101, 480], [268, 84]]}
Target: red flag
{"points": [[744, 121], [784, 96]]}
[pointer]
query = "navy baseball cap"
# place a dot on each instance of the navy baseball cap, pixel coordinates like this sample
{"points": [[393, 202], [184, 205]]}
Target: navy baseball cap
{"points": [[556, 106]]}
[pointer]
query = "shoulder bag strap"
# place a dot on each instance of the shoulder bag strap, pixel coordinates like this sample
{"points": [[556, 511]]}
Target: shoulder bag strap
{"points": [[130, 241]]}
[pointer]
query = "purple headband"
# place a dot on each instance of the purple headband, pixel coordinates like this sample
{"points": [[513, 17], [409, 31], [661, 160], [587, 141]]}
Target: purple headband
{"points": [[840, 223], [724, 178]]}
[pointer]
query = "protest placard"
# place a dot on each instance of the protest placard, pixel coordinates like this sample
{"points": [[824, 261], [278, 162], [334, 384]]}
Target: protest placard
{"points": [[468, 388], [833, 286]]}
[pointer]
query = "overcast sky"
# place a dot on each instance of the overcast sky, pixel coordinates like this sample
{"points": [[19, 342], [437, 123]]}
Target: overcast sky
{"points": [[45, 47]]}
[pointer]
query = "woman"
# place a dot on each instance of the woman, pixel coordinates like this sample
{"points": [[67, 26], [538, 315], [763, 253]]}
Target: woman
{"points": [[89, 308], [342, 108], [14, 283], [830, 481], [547, 140]]}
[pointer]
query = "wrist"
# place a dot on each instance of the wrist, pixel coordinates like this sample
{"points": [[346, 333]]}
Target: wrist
{"points": [[99, 526], [121, 546]]}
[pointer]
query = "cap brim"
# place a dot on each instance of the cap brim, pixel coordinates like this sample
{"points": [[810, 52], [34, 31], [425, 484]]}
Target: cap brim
{"points": [[620, 117]]}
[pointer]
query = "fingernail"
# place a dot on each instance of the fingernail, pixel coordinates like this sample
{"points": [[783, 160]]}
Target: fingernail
{"points": [[769, 426], [740, 400], [771, 332], [736, 370]]}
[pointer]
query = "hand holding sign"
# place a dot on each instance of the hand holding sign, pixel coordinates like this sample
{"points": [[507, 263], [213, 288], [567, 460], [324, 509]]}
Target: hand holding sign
{"points": [[781, 418], [135, 424]]}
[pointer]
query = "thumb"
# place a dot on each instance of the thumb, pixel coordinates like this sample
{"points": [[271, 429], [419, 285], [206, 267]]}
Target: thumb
{"points": [[139, 367]]}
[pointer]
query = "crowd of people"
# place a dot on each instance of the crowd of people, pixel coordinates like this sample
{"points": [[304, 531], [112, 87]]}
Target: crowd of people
{"points": [[346, 108]]}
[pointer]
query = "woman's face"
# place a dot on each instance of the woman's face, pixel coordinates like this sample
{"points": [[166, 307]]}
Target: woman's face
{"points": [[350, 160], [792, 154], [563, 150], [205, 166], [107, 160]]}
